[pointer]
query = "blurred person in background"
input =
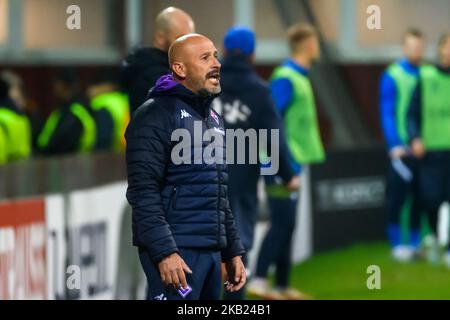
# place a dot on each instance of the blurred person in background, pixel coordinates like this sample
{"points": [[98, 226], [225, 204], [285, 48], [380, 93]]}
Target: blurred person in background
{"points": [[70, 128], [3, 141], [429, 131], [145, 65], [3, 147], [396, 88], [111, 112], [245, 103], [37, 120], [294, 99], [13, 120]]}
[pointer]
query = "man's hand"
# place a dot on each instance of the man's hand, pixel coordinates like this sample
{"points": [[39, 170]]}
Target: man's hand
{"points": [[418, 149], [172, 269], [236, 275], [294, 184], [398, 152]]}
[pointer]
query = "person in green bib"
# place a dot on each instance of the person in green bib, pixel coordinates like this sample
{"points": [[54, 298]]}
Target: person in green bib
{"points": [[293, 96], [396, 88], [71, 127], [111, 112], [3, 147], [429, 133], [13, 120]]}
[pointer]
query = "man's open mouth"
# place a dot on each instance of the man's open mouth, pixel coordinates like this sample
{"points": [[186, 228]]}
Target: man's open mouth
{"points": [[213, 76]]}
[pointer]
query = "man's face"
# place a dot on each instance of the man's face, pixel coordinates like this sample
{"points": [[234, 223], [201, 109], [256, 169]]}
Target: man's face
{"points": [[312, 47], [444, 53], [61, 91], [202, 68], [413, 49], [16, 94]]}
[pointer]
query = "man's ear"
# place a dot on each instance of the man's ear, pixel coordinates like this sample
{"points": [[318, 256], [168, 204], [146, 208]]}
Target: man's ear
{"points": [[179, 69]]}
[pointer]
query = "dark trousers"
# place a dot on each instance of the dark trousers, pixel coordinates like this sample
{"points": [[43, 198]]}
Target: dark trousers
{"points": [[434, 183], [398, 191], [205, 280], [277, 245]]}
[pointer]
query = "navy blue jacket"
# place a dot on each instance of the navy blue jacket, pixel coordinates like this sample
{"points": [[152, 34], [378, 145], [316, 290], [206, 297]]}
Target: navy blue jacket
{"points": [[177, 205], [140, 70], [246, 103]]}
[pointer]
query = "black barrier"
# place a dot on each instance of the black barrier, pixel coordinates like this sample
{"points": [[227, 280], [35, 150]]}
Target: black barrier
{"points": [[42, 176], [348, 198]]}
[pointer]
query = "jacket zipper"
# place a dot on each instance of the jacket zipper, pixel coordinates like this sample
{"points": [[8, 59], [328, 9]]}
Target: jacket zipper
{"points": [[219, 193], [172, 199]]}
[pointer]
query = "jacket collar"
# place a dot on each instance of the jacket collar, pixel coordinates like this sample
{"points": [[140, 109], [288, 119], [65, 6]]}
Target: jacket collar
{"points": [[297, 67], [168, 86]]}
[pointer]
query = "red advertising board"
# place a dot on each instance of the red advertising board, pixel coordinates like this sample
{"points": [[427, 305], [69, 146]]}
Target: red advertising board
{"points": [[23, 250]]}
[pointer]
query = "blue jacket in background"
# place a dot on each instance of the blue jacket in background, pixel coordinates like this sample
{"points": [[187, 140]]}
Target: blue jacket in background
{"points": [[388, 104], [245, 103], [177, 205]]}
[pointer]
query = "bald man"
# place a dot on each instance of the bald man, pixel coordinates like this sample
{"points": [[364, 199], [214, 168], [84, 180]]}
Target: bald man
{"points": [[145, 65], [182, 222]]}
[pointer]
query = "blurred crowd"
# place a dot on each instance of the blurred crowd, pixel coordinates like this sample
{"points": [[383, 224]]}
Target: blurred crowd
{"points": [[415, 117], [81, 122]]}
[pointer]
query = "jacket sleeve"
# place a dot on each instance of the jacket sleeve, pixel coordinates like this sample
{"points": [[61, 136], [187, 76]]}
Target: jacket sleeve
{"points": [[147, 153], [271, 119], [234, 245], [415, 114], [388, 100], [282, 93]]}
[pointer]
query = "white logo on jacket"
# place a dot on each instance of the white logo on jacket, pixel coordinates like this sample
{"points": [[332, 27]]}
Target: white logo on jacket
{"points": [[185, 114], [232, 112]]}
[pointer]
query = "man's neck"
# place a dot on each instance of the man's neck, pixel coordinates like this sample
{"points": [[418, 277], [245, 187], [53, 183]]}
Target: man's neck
{"points": [[200, 94], [186, 85], [159, 47], [302, 60], [412, 63]]}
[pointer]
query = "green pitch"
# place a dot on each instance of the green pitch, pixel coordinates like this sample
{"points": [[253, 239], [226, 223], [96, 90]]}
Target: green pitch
{"points": [[343, 275]]}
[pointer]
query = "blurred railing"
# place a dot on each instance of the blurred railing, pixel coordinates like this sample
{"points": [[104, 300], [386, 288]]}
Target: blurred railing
{"points": [[40, 176]]}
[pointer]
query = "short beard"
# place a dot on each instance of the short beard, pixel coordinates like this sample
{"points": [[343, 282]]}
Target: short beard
{"points": [[206, 93]]}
